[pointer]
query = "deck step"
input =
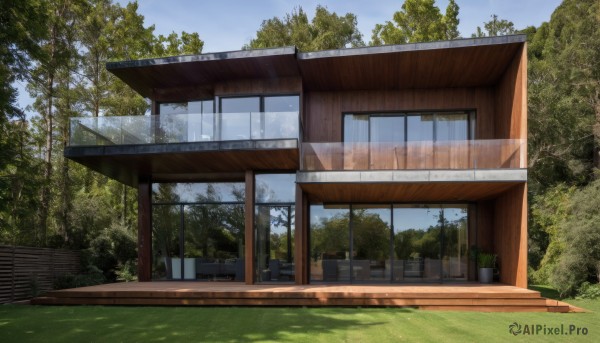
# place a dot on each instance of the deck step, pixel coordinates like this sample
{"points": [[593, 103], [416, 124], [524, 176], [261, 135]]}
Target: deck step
{"points": [[468, 297]]}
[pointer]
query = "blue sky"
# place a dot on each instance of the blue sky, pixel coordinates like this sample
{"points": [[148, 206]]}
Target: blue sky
{"points": [[226, 25], [229, 24]]}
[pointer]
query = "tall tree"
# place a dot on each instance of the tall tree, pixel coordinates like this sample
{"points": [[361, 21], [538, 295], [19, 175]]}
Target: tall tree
{"points": [[418, 21], [495, 27], [56, 52], [327, 30], [22, 27]]}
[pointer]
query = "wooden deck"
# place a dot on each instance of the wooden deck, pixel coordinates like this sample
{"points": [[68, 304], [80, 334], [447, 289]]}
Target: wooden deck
{"points": [[461, 297]]}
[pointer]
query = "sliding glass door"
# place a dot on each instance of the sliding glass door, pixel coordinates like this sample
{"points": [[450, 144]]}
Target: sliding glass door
{"points": [[388, 243]]}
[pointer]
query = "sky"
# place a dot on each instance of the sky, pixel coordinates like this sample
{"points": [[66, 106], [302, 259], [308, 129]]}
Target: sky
{"points": [[227, 25]]}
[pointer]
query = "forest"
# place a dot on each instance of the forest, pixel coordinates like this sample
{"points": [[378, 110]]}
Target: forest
{"points": [[59, 49]]}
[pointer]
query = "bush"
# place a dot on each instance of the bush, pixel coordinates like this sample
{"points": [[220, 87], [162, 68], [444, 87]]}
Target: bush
{"points": [[112, 249], [92, 276], [588, 291], [127, 272]]}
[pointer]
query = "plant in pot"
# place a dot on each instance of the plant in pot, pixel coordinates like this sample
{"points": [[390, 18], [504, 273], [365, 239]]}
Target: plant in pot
{"points": [[486, 263]]}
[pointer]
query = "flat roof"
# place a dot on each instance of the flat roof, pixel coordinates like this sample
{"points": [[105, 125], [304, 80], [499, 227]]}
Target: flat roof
{"points": [[457, 63]]}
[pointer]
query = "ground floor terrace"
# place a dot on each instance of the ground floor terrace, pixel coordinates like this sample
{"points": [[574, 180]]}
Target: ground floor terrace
{"points": [[284, 229], [468, 296]]}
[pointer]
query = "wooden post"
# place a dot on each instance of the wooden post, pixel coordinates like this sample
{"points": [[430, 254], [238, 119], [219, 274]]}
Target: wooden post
{"points": [[249, 228], [144, 231], [301, 239]]}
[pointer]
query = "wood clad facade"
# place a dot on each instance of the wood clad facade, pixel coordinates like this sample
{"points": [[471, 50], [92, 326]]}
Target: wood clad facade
{"points": [[486, 77]]}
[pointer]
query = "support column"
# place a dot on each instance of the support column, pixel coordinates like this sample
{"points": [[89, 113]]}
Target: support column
{"points": [[249, 227], [144, 263], [301, 239]]}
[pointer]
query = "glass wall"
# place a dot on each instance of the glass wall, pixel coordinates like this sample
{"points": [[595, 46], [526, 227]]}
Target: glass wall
{"points": [[388, 243], [329, 243], [198, 228], [409, 127], [417, 243], [275, 227]]}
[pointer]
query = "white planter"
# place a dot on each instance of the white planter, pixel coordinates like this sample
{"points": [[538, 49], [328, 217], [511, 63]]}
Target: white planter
{"points": [[189, 268]]}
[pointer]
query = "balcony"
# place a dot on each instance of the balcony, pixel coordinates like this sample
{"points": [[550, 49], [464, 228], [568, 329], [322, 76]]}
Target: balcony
{"points": [[207, 146], [183, 128], [412, 171], [453, 155]]}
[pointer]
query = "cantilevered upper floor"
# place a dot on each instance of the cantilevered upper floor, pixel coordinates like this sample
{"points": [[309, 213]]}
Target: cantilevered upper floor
{"points": [[451, 105]]}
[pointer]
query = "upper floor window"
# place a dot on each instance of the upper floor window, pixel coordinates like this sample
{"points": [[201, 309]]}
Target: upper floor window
{"points": [[259, 117], [409, 127]]}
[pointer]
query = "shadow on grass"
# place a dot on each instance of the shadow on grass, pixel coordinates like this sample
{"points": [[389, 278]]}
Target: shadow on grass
{"points": [[222, 324], [546, 291]]}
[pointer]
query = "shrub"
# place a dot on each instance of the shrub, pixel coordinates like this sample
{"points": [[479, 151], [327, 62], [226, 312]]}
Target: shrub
{"points": [[588, 291], [92, 276], [127, 272]]}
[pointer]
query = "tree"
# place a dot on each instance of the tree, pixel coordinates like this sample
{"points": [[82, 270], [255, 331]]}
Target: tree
{"points": [[495, 27], [418, 21], [327, 30]]}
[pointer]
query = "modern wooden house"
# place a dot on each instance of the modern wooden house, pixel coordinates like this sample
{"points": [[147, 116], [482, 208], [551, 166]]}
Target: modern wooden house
{"points": [[377, 165]]}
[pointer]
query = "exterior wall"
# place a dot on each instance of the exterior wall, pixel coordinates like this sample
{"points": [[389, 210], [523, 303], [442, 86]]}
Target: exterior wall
{"points": [[323, 110], [510, 236], [259, 87], [511, 100]]}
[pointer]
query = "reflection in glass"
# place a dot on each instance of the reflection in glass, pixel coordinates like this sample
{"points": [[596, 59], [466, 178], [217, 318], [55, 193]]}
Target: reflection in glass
{"points": [[240, 105], [455, 258], [209, 217], [387, 129], [198, 192], [419, 127], [173, 108], [214, 241], [329, 243], [452, 126], [356, 128], [417, 243], [288, 103], [166, 262], [274, 243], [371, 234], [275, 188]]}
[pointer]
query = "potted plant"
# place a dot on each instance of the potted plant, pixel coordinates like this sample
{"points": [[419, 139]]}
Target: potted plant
{"points": [[486, 263]]}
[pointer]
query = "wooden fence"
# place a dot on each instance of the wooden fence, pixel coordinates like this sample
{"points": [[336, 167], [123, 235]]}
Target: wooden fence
{"points": [[25, 271]]}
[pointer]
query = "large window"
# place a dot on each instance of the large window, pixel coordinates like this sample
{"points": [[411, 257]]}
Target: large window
{"points": [[274, 227], [191, 121], [259, 117], [409, 127], [198, 231], [388, 243]]}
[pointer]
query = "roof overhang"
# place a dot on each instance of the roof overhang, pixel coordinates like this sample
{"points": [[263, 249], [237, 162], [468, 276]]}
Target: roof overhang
{"points": [[457, 63]]}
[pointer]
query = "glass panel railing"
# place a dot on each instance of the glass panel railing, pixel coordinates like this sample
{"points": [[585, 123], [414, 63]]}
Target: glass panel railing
{"points": [[464, 154], [183, 128]]}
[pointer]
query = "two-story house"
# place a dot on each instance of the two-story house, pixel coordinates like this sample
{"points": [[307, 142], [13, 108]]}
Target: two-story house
{"points": [[382, 165]]}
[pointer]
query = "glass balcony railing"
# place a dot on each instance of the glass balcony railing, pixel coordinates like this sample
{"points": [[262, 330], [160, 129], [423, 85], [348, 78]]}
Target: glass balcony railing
{"points": [[183, 128], [466, 154]]}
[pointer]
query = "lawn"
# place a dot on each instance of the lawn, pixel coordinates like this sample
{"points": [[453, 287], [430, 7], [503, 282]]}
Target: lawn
{"points": [[22, 323]]}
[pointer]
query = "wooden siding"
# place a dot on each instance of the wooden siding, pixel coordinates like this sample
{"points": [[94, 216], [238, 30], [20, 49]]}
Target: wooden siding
{"points": [[301, 237], [404, 192], [24, 267], [511, 99], [510, 236], [324, 110], [290, 85]]}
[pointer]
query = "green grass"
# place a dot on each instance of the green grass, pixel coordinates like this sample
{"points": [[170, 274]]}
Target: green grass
{"points": [[21, 323]]}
